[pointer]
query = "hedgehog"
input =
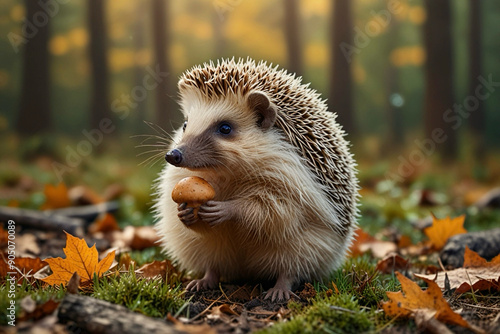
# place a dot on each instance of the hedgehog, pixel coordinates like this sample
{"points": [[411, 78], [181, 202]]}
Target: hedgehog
{"points": [[286, 189]]}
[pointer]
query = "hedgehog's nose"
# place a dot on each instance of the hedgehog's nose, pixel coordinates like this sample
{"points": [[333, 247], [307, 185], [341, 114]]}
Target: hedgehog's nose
{"points": [[174, 157]]}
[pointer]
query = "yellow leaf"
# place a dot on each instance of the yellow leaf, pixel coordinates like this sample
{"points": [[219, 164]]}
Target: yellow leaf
{"points": [[413, 299], [80, 259], [56, 197], [442, 229]]}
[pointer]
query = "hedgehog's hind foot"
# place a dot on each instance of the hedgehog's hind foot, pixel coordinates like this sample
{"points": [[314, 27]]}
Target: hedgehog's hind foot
{"points": [[282, 290], [209, 281]]}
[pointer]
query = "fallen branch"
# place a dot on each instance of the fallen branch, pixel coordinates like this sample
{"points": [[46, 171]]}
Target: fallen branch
{"points": [[98, 316], [42, 220], [87, 212]]}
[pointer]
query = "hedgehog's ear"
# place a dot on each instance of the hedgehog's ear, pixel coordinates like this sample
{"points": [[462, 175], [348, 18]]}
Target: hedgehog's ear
{"points": [[266, 110]]}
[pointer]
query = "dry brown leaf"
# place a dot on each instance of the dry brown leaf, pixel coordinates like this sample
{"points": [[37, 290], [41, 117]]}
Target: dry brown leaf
{"points": [[392, 262], [38, 311], [56, 197], [361, 238], [80, 259], [24, 267], [125, 262], [404, 241], [140, 237], [155, 269], [442, 229], [478, 272], [412, 299], [83, 195], [224, 312], [105, 223], [4, 236], [378, 248]]}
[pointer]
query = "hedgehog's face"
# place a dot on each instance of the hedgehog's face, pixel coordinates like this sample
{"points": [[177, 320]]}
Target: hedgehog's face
{"points": [[217, 132]]}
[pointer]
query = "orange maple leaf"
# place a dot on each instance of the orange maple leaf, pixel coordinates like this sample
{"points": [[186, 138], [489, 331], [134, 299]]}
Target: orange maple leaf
{"points": [[56, 197], [477, 273], [80, 259], [442, 229], [413, 299]]}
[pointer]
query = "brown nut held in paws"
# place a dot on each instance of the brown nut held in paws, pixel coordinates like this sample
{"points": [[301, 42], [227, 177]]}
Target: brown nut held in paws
{"points": [[194, 191]]}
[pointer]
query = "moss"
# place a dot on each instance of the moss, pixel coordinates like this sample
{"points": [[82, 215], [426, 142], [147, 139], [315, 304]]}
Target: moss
{"points": [[335, 314], [152, 297]]}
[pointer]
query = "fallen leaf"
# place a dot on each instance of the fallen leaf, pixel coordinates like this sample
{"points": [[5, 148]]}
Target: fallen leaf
{"points": [[125, 262], [27, 244], [392, 262], [105, 223], [224, 313], [4, 236], [83, 195], [80, 259], [38, 311], [442, 229], [404, 241], [413, 299], [140, 237], [476, 273], [73, 284], [24, 268], [56, 197], [378, 248], [154, 269], [361, 238]]}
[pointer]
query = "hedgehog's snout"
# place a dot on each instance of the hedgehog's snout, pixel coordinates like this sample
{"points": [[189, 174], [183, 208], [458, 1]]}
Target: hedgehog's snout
{"points": [[174, 157]]}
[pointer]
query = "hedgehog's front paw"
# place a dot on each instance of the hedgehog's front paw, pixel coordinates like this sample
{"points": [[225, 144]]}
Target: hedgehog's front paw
{"points": [[216, 212], [209, 281], [186, 214]]}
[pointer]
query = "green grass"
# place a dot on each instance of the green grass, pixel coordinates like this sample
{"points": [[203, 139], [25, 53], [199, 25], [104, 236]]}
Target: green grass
{"points": [[38, 293], [354, 309], [151, 297]]}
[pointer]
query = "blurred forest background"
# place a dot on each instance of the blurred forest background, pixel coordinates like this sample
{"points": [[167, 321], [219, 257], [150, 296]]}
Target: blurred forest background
{"points": [[407, 78]]}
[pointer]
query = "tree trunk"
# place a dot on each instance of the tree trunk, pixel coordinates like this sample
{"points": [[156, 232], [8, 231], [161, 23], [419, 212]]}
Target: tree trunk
{"points": [[395, 133], [100, 105], [292, 36], [164, 102], [34, 113], [340, 77], [439, 76], [477, 116]]}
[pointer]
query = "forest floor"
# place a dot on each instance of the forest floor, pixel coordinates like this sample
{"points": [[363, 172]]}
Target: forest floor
{"points": [[105, 201]]}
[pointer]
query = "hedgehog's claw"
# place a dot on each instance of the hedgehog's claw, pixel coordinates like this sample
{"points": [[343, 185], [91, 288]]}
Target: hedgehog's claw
{"points": [[186, 215], [281, 292], [209, 281], [215, 212]]}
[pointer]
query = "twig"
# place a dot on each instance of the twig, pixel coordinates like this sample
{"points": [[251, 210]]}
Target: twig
{"points": [[42, 220]]}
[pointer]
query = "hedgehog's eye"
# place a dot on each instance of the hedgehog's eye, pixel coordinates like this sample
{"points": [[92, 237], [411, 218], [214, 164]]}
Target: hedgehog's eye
{"points": [[224, 128], [184, 126]]}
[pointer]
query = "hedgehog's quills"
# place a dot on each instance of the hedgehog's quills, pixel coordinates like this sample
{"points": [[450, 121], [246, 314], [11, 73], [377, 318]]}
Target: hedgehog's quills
{"points": [[285, 183]]}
